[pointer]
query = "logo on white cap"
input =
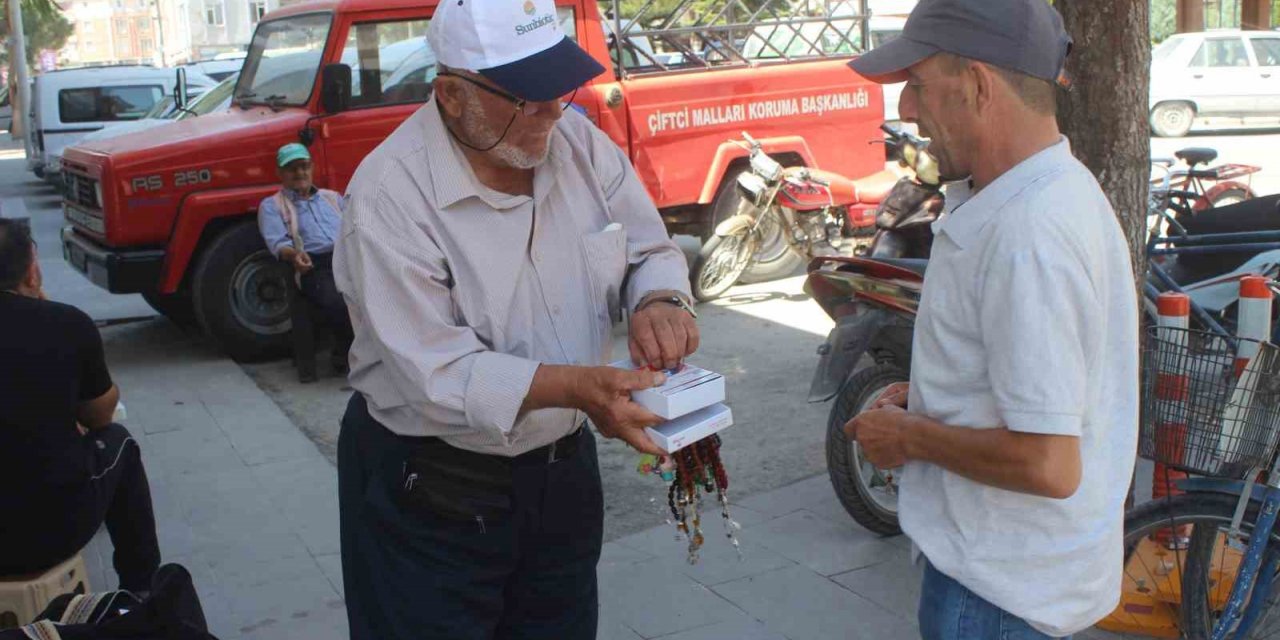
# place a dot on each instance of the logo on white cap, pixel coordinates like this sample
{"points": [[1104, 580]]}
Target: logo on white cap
{"points": [[478, 34]]}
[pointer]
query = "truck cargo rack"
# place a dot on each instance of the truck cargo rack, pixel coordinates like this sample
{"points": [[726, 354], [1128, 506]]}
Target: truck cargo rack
{"points": [[699, 34]]}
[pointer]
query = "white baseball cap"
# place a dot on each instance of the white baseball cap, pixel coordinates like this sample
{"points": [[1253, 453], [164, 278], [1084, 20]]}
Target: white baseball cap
{"points": [[516, 44]]}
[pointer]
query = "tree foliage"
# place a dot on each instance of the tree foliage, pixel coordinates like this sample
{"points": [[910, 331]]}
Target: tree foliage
{"points": [[42, 23]]}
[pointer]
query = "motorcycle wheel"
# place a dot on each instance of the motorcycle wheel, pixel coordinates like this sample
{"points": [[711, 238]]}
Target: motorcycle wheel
{"points": [[774, 259], [720, 263], [869, 494]]}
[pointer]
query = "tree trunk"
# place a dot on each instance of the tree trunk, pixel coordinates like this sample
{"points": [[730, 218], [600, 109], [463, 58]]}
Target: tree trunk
{"points": [[1105, 114]]}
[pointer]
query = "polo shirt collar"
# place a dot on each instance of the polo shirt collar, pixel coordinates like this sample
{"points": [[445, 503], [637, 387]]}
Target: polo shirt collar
{"points": [[298, 197], [453, 179], [967, 213]]}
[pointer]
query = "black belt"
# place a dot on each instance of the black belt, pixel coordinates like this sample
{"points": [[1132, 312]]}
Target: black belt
{"points": [[322, 260]]}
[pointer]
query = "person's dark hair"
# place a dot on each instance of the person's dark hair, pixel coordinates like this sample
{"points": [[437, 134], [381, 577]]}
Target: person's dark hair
{"points": [[17, 251]]}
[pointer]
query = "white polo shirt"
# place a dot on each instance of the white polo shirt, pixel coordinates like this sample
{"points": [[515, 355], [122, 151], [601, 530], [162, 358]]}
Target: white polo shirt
{"points": [[1029, 320]]}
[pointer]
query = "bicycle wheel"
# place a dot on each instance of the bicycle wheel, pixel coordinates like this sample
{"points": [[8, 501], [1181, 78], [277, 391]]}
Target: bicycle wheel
{"points": [[1199, 578]]}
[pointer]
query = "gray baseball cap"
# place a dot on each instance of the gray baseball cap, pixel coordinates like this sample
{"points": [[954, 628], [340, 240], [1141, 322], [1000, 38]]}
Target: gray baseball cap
{"points": [[1022, 35]]}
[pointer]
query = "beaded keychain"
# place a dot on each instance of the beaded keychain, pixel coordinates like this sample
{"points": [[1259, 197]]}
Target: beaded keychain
{"points": [[692, 471]]}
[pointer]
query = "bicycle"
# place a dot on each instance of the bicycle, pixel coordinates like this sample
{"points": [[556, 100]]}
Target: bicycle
{"points": [[1185, 191]]}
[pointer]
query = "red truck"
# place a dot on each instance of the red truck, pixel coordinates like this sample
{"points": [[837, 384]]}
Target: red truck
{"points": [[170, 212]]}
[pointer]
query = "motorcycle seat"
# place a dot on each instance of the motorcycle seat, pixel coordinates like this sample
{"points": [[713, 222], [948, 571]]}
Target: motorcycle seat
{"points": [[1258, 214], [872, 189], [1197, 155]]}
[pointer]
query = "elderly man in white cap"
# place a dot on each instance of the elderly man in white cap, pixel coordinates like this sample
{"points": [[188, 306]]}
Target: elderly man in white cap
{"points": [[488, 248], [1020, 424]]}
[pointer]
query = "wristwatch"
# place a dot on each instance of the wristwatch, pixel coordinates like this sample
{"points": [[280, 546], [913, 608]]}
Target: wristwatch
{"points": [[678, 301]]}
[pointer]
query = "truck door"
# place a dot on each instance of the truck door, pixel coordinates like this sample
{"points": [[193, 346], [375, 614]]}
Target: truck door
{"points": [[391, 73]]}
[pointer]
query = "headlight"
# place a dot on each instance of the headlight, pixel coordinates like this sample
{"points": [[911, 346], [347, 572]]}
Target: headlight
{"points": [[753, 187]]}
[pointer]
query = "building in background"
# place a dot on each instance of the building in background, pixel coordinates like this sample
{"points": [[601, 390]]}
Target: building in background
{"points": [[221, 26], [160, 32]]}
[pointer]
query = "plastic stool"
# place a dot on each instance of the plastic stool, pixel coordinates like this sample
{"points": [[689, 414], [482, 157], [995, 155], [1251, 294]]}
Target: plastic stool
{"points": [[22, 598]]}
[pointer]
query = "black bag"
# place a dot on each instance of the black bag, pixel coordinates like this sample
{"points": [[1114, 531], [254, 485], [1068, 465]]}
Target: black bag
{"points": [[170, 612]]}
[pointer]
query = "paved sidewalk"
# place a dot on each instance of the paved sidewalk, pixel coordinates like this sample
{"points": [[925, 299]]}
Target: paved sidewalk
{"points": [[249, 505]]}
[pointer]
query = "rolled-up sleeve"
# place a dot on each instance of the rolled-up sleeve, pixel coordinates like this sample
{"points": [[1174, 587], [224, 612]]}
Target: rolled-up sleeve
{"points": [[656, 261], [274, 232], [1039, 322], [398, 284]]}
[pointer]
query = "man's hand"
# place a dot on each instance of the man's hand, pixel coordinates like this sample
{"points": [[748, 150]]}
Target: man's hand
{"points": [[894, 395], [302, 262], [880, 434], [662, 335], [604, 393]]}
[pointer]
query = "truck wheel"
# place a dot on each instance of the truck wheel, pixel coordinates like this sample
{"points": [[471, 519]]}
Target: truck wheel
{"points": [[774, 259], [240, 294], [1172, 119], [176, 307], [869, 494]]}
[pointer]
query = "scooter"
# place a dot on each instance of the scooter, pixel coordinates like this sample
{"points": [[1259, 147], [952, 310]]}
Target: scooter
{"points": [[873, 301]]}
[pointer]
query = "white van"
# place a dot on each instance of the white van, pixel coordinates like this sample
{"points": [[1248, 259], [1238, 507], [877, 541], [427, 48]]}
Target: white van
{"points": [[219, 68], [68, 104]]}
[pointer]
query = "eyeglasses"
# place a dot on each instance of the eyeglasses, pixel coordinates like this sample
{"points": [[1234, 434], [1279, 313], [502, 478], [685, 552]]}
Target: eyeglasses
{"points": [[523, 106]]}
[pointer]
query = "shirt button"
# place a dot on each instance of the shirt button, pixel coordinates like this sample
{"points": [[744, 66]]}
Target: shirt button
{"points": [[555, 310]]}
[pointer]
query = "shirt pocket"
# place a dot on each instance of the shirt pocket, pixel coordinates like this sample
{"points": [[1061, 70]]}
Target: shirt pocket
{"points": [[605, 255]]}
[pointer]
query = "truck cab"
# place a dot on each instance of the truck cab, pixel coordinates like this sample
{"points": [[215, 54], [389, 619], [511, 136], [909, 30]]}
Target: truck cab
{"points": [[170, 212]]}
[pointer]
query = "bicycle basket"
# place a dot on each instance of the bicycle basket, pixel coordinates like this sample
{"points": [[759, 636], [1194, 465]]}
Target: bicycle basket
{"points": [[1198, 415]]}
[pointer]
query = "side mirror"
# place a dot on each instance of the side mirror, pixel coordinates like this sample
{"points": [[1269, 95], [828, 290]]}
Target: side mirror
{"points": [[180, 90], [335, 87]]}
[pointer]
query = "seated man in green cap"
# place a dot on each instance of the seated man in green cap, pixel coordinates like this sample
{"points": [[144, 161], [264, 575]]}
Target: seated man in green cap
{"points": [[299, 224]]}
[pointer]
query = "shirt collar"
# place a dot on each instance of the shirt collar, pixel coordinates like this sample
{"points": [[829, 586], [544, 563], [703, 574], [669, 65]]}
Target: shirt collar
{"points": [[453, 179], [966, 212], [297, 197]]}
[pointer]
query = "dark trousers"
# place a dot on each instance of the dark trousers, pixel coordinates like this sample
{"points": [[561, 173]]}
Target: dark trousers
{"points": [[59, 521], [415, 574], [318, 287]]}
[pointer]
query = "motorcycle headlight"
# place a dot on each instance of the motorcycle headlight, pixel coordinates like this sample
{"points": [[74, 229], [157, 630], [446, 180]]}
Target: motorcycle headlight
{"points": [[766, 167], [753, 188]]}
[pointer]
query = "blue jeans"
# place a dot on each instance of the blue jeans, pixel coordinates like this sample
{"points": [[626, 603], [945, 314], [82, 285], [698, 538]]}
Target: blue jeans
{"points": [[949, 611]]}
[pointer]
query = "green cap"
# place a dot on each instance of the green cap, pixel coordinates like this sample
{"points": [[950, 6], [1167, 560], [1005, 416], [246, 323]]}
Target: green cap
{"points": [[290, 152]]}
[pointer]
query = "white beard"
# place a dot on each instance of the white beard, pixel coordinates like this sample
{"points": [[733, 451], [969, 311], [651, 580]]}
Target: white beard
{"points": [[507, 153]]}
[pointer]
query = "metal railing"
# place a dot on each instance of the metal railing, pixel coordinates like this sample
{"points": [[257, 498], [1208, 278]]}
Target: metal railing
{"points": [[718, 33]]}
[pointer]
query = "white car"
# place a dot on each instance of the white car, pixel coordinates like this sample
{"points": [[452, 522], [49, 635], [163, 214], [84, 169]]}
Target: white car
{"points": [[1227, 77]]}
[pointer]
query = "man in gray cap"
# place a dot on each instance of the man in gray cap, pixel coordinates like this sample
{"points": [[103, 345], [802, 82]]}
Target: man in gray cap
{"points": [[488, 248], [1017, 432]]}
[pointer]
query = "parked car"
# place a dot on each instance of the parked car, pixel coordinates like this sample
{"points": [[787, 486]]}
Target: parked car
{"points": [[216, 99], [1215, 78], [218, 68], [66, 105]]}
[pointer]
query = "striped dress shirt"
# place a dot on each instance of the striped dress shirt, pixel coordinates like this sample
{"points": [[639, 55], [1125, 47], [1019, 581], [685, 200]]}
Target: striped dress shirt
{"points": [[457, 292]]}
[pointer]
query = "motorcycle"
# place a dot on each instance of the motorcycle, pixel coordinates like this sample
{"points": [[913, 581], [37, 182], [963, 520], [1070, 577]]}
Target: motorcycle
{"points": [[786, 216], [873, 300]]}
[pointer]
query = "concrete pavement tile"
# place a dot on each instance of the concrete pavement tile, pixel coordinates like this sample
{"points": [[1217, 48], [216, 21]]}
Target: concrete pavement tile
{"points": [[198, 449], [262, 437], [747, 516], [655, 599], [615, 553], [278, 591], [803, 605], [325, 623], [791, 497], [743, 629], [718, 561], [331, 566], [823, 547], [162, 412], [611, 628], [249, 562], [893, 584], [305, 494]]}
